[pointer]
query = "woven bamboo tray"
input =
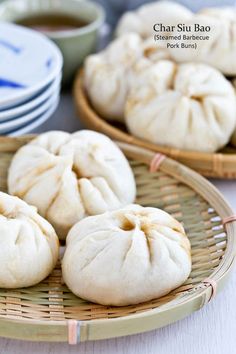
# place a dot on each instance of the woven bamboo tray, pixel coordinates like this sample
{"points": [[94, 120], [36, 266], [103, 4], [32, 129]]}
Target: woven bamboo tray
{"points": [[218, 165], [43, 312]]}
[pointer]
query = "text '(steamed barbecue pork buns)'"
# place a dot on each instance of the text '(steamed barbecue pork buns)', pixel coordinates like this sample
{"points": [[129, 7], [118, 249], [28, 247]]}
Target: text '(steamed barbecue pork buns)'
{"points": [[70, 176], [187, 106], [126, 256], [29, 246]]}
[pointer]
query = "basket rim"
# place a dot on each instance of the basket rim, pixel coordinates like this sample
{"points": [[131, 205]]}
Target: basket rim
{"points": [[91, 118], [189, 302]]}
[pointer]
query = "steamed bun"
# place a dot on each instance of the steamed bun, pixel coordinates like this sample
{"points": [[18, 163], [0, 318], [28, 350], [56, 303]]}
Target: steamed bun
{"points": [[188, 106], [127, 256], [233, 137], [154, 51], [29, 246], [220, 50], [106, 75], [143, 19], [70, 176]]}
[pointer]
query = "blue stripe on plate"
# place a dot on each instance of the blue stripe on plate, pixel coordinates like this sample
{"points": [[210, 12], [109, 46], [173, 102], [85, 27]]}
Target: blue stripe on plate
{"points": [[10, 84], [10, 46]]}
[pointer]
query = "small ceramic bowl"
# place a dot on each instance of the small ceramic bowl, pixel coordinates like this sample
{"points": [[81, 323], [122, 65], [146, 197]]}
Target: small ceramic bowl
{"points": [[75, 44]]}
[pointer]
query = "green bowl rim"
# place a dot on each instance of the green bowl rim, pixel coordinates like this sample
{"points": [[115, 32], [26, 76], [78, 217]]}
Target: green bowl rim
{"points": [[95, 24]]}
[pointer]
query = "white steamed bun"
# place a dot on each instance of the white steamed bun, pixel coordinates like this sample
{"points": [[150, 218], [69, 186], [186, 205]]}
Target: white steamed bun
{"points": [[233, 137], [126, 256], [70, 176], [154, 51], [29, 246], [106, 75], [220, 50], [187, 106], [143, 19]]}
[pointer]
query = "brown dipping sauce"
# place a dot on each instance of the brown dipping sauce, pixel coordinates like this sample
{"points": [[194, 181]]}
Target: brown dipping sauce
{"points": [[52, 22]]}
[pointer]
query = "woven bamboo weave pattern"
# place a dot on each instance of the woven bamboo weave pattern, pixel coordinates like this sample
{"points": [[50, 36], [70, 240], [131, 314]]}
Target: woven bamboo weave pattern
{"points": [[52, 301]]}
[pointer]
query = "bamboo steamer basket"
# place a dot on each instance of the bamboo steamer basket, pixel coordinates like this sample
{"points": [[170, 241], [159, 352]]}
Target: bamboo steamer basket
{"points": [[221, 164], [44, 312]]}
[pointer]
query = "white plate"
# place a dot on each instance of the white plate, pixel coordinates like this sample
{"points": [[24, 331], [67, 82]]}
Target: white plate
{"points": [[29, 62], [23, 120], [36, 122], [32, 103]]}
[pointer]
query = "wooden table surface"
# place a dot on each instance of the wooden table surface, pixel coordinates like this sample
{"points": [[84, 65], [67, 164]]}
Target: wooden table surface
{"points": [[212, 330]]}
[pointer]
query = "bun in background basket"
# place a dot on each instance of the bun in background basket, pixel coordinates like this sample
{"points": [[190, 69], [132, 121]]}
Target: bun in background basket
{"points": [[185, 106]]}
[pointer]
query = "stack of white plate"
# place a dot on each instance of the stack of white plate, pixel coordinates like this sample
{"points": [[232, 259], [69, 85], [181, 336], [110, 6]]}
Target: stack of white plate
{"points": [[30, 79]]}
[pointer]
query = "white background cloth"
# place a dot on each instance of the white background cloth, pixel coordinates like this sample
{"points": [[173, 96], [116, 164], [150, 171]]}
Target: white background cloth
{"points": [[208, 331]]}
